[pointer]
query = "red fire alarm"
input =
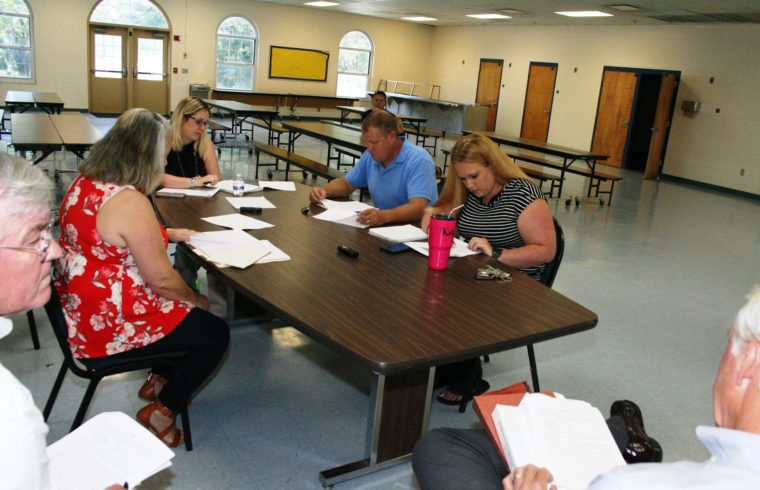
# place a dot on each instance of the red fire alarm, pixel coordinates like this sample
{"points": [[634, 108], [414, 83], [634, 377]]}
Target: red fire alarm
{"points": [[177, 38]]}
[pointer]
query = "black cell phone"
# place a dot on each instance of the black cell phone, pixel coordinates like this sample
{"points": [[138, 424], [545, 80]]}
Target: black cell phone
{"points": [[395, 248]]}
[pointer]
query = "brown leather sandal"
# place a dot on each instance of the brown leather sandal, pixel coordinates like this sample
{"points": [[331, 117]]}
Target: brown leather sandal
{"points": [[152, 387], [169, 435]]}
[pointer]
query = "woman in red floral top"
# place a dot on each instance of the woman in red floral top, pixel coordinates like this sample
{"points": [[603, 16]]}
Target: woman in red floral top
{"points": [[120, 294]]}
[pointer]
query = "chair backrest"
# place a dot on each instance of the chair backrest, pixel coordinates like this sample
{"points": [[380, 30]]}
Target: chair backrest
{"points": [[551, 268], [57, 319]]}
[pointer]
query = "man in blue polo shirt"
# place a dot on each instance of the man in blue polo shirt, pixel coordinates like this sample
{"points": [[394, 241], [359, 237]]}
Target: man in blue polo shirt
{"points": [[400, 175]]}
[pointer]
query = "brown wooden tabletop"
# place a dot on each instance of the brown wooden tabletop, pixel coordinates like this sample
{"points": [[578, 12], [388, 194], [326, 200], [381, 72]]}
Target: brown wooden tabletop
{"points": [[75, 129], [34, 132], [242, 109], [48, 102], [389, 312], [19, 99], [329, 133]]}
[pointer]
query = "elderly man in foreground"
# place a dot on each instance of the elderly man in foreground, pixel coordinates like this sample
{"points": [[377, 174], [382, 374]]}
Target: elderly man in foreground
{"points": [[734, 444]]}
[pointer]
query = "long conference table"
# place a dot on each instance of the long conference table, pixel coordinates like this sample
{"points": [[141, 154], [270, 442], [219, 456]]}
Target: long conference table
{"points": [[567, 154], [46, 133], [389, 313]]}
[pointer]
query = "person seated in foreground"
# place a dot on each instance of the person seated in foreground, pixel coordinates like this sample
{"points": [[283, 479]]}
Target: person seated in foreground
{"points": [[27, 251], [120, 295], [448, 458], [400, 175], [503, 215]]}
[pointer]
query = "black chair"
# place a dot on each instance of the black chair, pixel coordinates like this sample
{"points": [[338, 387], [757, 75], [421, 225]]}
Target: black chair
{"points": [[107, 367], [33, 329], [547, 279]]}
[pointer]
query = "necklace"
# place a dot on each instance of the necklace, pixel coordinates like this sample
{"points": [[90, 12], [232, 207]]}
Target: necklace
{"points": [[182, 169]]}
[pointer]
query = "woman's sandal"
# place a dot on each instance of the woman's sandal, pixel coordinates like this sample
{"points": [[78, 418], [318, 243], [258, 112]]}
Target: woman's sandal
{"points": [[169, 435], [152, 387], [459, 390]]}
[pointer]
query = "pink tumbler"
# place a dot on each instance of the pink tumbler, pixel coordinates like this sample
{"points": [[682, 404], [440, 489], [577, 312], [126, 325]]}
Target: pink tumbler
{"points": [[440, 238]]}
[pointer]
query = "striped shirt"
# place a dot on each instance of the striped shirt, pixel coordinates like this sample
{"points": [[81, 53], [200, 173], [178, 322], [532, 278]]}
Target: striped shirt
{"points": [[497, 220]]}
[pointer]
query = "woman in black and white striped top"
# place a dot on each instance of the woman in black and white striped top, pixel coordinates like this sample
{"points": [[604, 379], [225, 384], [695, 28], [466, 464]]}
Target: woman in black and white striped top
{"points": [[504, 216]]}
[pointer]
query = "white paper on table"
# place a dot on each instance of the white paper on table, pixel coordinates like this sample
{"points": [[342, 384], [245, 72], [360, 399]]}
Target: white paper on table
{"points": [[209, 239], [341, 216], [355, 206], [252, 202], [209, 251], [109, 448], [238, 221], [280, 185], [196, 192], [458, 249], [236, 255], [226, 186], [401, 233]]}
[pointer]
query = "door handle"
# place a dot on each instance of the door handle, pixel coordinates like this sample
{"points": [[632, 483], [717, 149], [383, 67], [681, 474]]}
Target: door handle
{"points": [[625, 123], [124, 72], [654, 129], [547, 111], [134, 72]]}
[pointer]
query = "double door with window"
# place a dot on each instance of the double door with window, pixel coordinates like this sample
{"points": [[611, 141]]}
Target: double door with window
{"points": [[128, 68]]}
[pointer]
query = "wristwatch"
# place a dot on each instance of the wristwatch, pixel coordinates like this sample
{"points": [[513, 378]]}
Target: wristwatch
{"points": [[496, 253]]}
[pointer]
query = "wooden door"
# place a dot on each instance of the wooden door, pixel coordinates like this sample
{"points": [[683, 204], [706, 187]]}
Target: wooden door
{"points": [[539, 97], [661, 125], [149, 66], [108, 69], [613, 115], [489, 88]]}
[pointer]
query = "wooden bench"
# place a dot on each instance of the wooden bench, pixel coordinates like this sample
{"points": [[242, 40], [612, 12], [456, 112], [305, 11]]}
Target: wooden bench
{"points": [[595, 180], [341, 152], [291, 158], [215, 125], [542, 177], [2, 120], [275, 131], [423, 134]]}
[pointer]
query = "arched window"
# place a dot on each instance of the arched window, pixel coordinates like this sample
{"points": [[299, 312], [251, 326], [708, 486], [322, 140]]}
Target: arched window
{"points": [[354, 58], [142, 13], [16, 51], [235, 54]]}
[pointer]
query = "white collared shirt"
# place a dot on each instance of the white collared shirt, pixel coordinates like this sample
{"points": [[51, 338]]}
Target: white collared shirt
{"points": [[23, 456], [735, 465]]}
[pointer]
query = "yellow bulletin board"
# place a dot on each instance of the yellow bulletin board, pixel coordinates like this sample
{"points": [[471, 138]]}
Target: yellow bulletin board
{"points": [[298, 64]]}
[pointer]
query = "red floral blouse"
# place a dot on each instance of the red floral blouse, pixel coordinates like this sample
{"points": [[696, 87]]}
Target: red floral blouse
{"points": [[108, 307]]}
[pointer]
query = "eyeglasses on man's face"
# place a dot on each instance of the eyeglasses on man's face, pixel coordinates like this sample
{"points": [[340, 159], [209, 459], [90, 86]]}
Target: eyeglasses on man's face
{"points": [[41, 249], [199, 122]]}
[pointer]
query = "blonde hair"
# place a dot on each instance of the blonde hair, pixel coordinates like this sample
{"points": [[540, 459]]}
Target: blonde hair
{"points": [[476, 148], [133, 152], [188, 107]]}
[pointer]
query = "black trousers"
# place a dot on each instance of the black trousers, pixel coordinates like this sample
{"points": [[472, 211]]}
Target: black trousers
{"points": [[203, 336]]}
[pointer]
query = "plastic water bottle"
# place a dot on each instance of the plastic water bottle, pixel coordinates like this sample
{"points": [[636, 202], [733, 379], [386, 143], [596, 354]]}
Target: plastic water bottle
{"points": [[238, 186]]}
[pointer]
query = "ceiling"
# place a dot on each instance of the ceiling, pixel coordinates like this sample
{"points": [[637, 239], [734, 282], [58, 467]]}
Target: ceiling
{"points": [[541, 12]]}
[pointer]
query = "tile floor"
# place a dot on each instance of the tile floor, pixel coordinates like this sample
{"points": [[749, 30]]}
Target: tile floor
{"points": [[665, 267]]}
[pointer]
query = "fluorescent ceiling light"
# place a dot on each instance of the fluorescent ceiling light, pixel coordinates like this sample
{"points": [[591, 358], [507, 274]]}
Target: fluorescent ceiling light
{"points": [[321, 4], [624, 8], [488, 16], [419, 18], [584, 13]]}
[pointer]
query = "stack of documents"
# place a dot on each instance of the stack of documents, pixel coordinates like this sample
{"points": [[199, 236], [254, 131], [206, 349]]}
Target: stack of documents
{"points": [[238, 221], [280, 185], [251, 202], [458, 249], [226, 186], [235, 248], [196, 192], [109, 448], [342, 212], [402, 233], [569, 437]]}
